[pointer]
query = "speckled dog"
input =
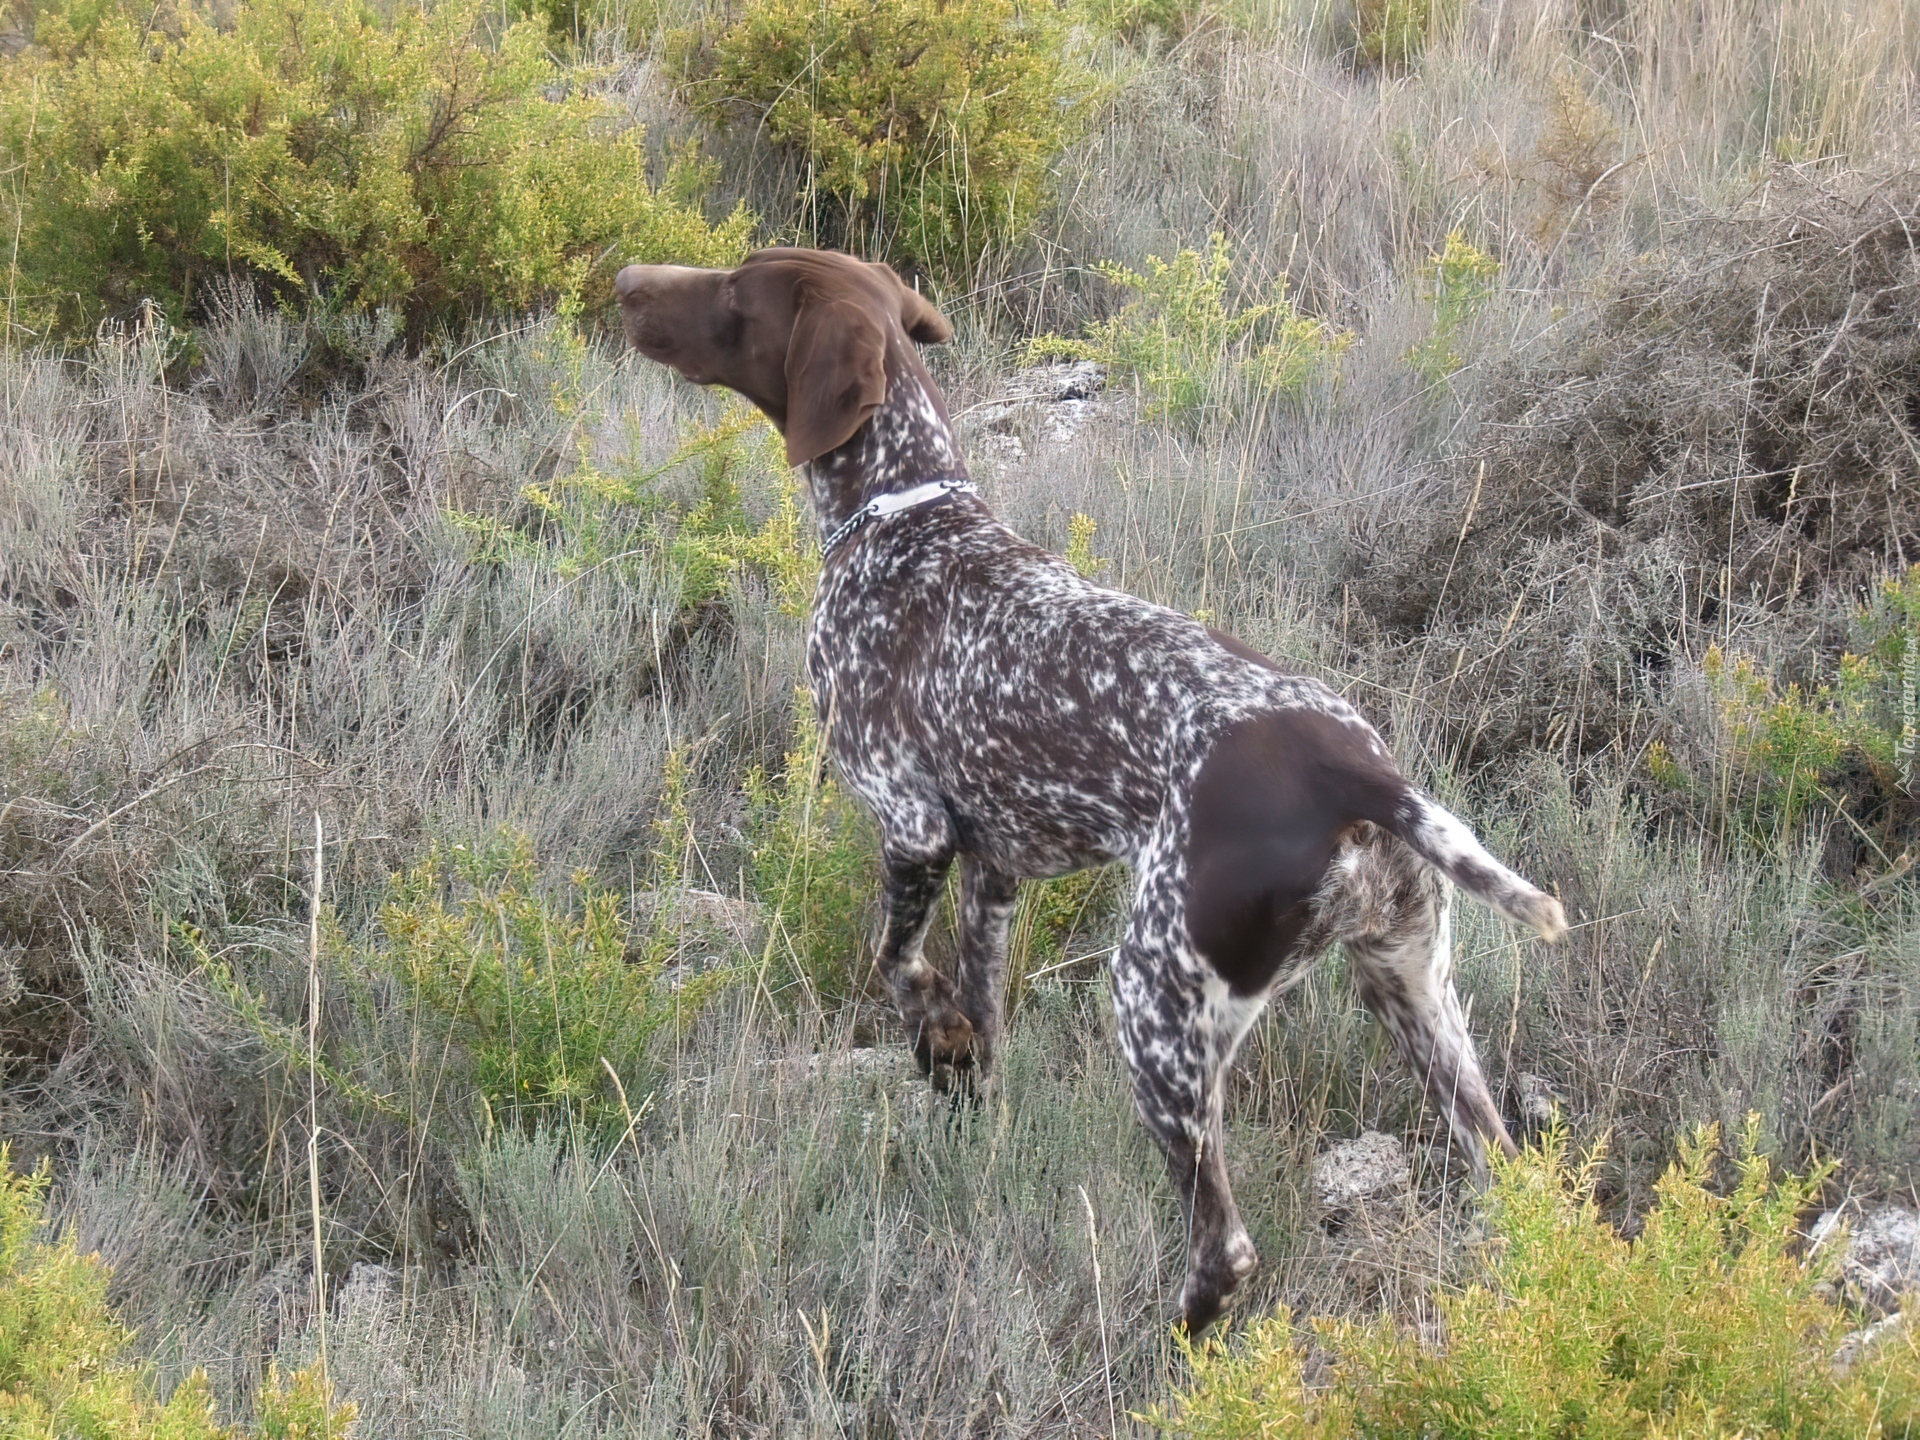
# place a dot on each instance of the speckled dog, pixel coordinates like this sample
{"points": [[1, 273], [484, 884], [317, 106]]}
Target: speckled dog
{"points": [[990, 704]]}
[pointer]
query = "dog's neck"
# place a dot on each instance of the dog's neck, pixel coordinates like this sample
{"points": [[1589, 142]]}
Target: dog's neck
{"points": [[905, 443]]}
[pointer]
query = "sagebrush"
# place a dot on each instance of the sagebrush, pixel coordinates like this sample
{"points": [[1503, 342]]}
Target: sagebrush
{"points": [[1709, 1323], [327, 152], [1547, 390]]}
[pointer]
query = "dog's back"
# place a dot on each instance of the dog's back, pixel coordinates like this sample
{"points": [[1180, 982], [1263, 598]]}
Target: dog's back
{"points": [[1052, 714]]}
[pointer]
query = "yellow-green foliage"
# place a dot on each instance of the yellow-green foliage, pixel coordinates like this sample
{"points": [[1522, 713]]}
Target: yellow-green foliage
{"points": [[63, 1366], [1708, 1324], [815, 865], [1392, 33], [930, 126], [379, 156], [1186, 343], [590, 517], [1456, 282], [1079, 553], [1779, 746], [1052, 921], [538, 996], [1136, 19]]}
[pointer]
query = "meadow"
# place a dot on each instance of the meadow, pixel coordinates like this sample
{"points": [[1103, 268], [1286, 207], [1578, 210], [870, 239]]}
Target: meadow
{"points": [[432, 945]]}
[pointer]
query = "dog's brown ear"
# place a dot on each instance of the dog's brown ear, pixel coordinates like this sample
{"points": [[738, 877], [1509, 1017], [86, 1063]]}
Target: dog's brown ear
{"points": [[921, 321], [918, 318], [836, 373]]}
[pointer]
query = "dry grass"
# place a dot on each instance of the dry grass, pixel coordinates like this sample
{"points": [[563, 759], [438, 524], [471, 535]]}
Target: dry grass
{"points": [[230, 597]]}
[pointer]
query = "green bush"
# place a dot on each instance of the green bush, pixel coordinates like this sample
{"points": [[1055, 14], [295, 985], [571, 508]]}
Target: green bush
{"points": [[63, 1366], [1136, 20], [1079, 552], [1391, 33], [1456, 282], [549, 1007], [321, 150], [930, 128], [1844, 742], [592, 516], [1707, 1325], [1189, 347], [816, 867]]}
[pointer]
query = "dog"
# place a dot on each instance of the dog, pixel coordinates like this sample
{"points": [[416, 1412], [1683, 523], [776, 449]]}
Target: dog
{"points": [[990, 705]]}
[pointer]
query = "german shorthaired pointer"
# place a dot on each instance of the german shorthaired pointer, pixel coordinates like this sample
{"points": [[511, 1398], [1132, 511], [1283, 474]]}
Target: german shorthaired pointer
{"points": [[988, 703]]}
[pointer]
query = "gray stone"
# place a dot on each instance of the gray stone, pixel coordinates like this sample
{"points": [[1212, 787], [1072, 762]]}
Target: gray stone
{"points": [[1538, 1099], [1372, 1167], [888, 1063], [1861, 1341], [365, 1291], [727, 915], [906, 1094], [1881, 1263], [1044, 404]]}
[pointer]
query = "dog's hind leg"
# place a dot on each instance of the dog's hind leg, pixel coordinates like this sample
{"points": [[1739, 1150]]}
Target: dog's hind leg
{"points": [[1405, 977], [987, 897], [1178, 1030]]}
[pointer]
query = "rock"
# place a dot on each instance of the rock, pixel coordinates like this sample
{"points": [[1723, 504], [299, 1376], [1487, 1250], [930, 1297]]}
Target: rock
{"points": [[1050, 403], [1538, 1097], [365, 1291], [1854, 1346], [891, 1066], [998, 448], [736, 919], [889, 1063], [1882, 1259], [705, 930], [1373, 1167], [282, 1303]]}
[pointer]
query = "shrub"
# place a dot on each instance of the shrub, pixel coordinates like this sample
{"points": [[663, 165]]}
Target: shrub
{"points": [[1576, 161], [815, 866], [63, 1369], [931, 127], [1456, 282], [1846, 740], [1079, 552], [1726, 432], [1391, 33], [591, 516], [1707, 1324], [546, 1002], [320, 150], [1189, 348], [1137, 19]]}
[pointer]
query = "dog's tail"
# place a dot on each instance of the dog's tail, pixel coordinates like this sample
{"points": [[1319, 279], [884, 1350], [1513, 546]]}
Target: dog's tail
{"points": [[1440, 838]]}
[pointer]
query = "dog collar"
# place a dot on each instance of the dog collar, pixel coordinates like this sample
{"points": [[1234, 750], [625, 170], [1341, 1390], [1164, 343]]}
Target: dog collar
{"points": [[881, 506]]}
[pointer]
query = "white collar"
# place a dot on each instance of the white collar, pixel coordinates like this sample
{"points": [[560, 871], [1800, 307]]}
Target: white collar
{"points": [[881, 506]]}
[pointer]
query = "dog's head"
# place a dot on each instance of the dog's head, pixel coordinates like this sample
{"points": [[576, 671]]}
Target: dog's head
{"points": [[803, 334]]}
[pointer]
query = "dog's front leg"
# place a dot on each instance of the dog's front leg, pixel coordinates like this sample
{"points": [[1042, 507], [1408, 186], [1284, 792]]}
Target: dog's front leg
{"points": [[987, 897], [941, 1035]]}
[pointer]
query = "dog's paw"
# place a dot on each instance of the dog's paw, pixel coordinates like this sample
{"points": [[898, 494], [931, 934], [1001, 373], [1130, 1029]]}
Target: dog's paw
{"points": [[944, 1051], [1210, 1284], [944, 1040]]}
